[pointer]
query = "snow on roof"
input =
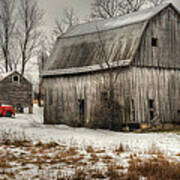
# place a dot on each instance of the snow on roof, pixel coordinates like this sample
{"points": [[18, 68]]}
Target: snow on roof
{"points": [[115, 22], [4, 75]]}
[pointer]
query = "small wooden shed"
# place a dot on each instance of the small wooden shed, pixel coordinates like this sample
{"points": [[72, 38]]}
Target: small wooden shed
{"points": [[16, 90], [142, 48]]}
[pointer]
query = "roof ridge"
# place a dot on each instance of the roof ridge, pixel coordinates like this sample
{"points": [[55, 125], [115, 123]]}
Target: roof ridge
{"points": [[70, 32]]}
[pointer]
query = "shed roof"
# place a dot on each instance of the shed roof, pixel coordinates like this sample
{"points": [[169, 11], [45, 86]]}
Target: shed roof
{"points": [[78, 50], [3, 76]]}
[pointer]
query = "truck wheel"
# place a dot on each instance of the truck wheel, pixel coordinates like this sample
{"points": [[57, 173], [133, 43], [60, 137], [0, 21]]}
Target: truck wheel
{"points": [[0, 115], [9, 114]]}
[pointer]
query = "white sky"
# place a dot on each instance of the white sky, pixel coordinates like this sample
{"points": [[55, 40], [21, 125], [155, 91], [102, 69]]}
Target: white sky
{"points": [[54, 8]]}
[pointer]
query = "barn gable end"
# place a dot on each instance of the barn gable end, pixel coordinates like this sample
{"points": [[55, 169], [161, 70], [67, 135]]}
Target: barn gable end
{"points": [[161, 41]]}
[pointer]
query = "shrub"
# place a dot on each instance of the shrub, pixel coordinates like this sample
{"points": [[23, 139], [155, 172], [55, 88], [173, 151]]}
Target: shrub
{"points": [[107, 115]]}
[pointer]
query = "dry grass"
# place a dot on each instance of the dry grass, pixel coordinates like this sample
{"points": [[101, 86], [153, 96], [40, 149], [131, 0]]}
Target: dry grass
{"points": [[90, 149], [56, 157], [46, 145], [4, 164], [155, 150], [94, 158], [153, 169], [97, 174], [112, 172], [80, 174], [121, 149], [100, 151]]}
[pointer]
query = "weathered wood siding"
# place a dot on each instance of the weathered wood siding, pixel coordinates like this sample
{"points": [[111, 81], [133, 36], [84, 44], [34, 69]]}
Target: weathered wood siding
{"points": [[165, 27], [16, 93], [138, 84]]}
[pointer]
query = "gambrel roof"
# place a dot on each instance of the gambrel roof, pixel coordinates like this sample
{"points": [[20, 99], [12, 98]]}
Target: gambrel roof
{"points": [[81, 49]]}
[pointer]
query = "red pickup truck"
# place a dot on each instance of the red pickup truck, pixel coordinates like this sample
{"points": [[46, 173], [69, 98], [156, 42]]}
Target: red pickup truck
{"points": [[6, 111]]}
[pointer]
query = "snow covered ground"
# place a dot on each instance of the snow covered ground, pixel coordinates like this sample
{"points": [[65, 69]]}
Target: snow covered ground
{"points": [[33, 127], [78, 148]]}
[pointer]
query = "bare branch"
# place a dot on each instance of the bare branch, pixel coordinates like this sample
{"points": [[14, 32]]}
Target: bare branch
{"points": [[129, 6], [104, 9], [62, 25], [156, 2]]}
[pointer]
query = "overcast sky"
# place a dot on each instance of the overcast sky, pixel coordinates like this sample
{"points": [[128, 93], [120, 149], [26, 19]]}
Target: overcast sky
{"points": [[54, 8]]}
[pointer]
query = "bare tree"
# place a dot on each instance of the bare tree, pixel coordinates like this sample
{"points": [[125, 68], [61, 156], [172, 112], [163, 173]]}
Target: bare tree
{"points": [[28, 33], [156, 2], [7, 26], [69, 19], [62, 24], [108, 111], [104, 9]]}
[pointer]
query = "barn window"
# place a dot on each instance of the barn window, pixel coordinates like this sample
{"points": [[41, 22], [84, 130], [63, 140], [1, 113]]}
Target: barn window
{"points": [[151, 109], [178, 112], [104, 96], [15, 78], [133, 110], [154, 42], [151, 104], [81, 108], [50, 96]]}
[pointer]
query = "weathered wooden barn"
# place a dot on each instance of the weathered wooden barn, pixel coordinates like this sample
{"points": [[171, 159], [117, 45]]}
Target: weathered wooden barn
{"points": [[16, 90], [139, 53]]}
